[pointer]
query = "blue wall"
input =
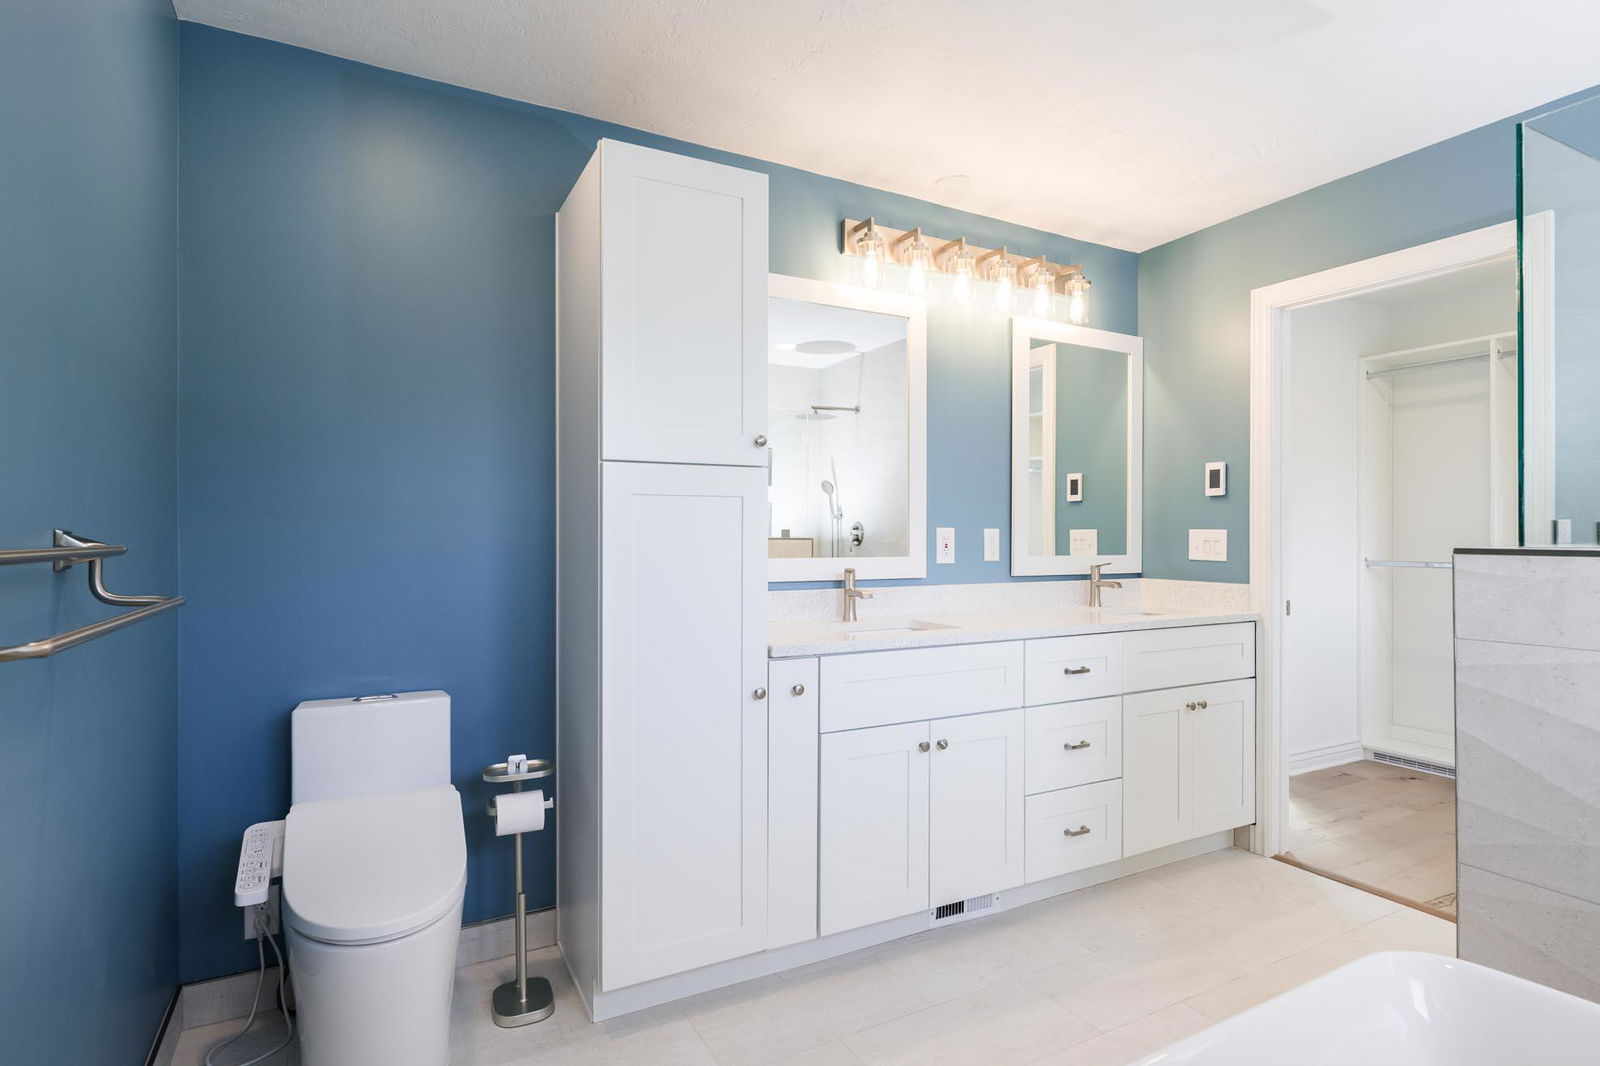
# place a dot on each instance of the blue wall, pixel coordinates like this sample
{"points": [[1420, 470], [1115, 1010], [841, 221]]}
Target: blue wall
{"points": [[367, 424], [88, 347], [1194, 315]]}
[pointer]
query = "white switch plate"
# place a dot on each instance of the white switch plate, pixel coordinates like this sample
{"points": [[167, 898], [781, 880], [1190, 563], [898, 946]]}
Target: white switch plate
{"points": [[1208, 545], [945, 540], [1083, 542], [991, 545]]}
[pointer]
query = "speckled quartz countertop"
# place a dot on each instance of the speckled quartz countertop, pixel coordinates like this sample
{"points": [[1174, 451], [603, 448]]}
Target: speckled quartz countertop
{"points": [[792, 639]]}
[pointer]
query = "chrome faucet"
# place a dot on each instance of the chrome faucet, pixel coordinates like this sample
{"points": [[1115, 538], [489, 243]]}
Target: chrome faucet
{"points": [[1096, 583], [852, 594]]}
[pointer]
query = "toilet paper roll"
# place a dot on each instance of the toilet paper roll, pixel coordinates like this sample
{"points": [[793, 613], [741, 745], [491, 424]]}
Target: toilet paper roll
{"points": [[520, 812]]}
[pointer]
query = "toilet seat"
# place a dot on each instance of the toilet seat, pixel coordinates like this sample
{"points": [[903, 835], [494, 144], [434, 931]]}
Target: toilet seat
{"points": [[366, 869]]}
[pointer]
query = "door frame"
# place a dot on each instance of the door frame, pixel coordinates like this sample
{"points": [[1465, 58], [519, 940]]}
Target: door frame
{"points": [[1270, 306]]}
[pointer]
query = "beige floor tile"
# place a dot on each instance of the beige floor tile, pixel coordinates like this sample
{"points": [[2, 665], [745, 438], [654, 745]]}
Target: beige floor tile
{"points": [[1129, 1043], [1130, 980], [1005, 1024], [1223, 878], [1258, 986], [1404, 930], [1116, 911], [943, 964]]}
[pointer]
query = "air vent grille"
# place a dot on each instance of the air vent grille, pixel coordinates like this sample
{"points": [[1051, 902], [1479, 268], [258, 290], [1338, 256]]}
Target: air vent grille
{"points": [[1414, 764], [965, 907], [949, 910]]}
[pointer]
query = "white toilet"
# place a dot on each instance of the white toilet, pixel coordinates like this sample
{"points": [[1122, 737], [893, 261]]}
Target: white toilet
{"points": [[374, 871]]}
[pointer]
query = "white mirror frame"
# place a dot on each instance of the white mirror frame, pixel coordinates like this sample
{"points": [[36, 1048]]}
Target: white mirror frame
{"points": [[914, 311], [1024, 331]]}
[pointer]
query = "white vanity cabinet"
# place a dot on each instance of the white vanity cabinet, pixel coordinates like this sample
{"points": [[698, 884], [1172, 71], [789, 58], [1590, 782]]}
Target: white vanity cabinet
{"points": [[1188, 763]]}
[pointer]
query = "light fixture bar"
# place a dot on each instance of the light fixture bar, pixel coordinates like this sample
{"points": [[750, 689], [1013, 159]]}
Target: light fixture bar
{"points": [[897, 239]]}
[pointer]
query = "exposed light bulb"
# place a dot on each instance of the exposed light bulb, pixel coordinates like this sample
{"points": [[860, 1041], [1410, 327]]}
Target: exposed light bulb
{"points": [[870, 248], [1044, 289], [963, 272], [919, 260], [1078, 300], [1004, 276]]}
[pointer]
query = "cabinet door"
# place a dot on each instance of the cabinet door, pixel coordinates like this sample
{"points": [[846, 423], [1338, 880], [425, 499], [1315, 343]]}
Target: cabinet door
{"points": [[683, 309], [791, 801], [1222, 756], [683, 764], [1155, 770], [874, 825], [975, 805]]}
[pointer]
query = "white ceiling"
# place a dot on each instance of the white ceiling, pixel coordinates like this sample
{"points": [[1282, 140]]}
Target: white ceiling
{"points": [[1128, 122]]}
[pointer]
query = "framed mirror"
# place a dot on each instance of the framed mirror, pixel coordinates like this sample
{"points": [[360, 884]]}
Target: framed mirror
{"points": [[1076, 448], [847, 432]]}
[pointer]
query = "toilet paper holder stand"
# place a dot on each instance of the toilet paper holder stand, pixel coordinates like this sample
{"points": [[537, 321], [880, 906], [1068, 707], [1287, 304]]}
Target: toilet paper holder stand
{"points": [[523, 1001]]}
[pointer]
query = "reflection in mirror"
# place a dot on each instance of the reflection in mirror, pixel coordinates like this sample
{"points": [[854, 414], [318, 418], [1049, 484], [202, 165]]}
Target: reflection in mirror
{"points": [[837, 392], [1076, 450]]}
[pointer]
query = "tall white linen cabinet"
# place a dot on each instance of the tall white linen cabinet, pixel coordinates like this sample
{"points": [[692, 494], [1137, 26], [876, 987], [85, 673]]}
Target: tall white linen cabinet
{"points": [[661, 412]]}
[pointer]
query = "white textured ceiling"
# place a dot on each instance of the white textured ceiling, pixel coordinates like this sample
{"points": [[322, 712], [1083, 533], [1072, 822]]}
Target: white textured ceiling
{"points": [[1128, 122]]}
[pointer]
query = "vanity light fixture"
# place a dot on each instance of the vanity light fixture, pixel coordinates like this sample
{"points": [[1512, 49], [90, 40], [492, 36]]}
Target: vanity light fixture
{"points": [[1003, 274], [962, 266], [1042, 280], [871, 249], [1077, 290], [913, 250]]}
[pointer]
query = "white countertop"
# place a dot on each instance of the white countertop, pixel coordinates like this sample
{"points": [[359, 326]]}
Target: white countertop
{"points": [[794, 639]]}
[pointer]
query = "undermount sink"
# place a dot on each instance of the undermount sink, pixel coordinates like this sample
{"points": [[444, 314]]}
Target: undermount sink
{"points": [[888, 627], [1402, 1008]]}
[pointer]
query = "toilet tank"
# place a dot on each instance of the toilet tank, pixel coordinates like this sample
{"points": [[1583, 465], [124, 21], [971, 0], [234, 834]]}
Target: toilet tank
{"points": [[369, 744]]}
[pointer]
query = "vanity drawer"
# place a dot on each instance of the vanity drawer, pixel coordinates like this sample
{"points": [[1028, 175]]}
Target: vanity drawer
{"points": [[1190, 655], [1073, 744], [883, 687], [1074, 668], [1055, 842]]}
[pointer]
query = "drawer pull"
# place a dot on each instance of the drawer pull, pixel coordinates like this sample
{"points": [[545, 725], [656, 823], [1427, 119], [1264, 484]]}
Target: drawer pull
{"points": [[1078, 832], [1076, 670], [1079, 746]]}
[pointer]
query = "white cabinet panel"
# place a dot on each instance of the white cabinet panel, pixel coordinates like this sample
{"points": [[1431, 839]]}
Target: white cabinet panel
{"points": [[877, 688], [683, 739], [791, 801], [1074, 743], [1223, 761], [874, 825], [1074, 668], [684, 309], [1074, 829], [975, 805], [1191, 655]]}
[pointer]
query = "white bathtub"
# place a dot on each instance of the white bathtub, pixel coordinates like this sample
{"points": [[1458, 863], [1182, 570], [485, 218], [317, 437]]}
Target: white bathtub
{"points": [[1403, 1008]]}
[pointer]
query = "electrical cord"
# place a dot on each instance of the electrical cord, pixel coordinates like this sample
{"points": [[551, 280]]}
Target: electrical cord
{"points": [[255, 1004]]}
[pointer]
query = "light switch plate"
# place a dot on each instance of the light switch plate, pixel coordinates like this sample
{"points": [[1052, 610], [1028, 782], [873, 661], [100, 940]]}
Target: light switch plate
{"points": [[1208, 545], [1083, 542], [945, 541], [991, 545]]}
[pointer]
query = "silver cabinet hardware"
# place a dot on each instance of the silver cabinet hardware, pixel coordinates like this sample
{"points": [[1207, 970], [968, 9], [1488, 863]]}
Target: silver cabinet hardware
{"points": [[798, 690], [761, 440], [943, 744], [1076, 670], [759, 694], [1202, 704], [923, 746], [1191, 705], [1076, 747], [1078, 832]]}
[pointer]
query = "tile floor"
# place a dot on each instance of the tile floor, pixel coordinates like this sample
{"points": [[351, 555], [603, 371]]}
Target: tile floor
{"points": [[1379, 825], [1098, 977]]}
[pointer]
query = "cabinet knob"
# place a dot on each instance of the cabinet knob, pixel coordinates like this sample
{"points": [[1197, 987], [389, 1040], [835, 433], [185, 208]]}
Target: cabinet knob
{"points": [[1080, 745], [798, 690], [1078, 832], [761, 694], [761, 440], [1076, 670], [1202, 704], [943, 744], [923, 746]]}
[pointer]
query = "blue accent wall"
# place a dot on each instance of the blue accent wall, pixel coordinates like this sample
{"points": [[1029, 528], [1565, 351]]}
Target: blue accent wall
{"points": [[1194, 315], [88, 386], [368, 431]]}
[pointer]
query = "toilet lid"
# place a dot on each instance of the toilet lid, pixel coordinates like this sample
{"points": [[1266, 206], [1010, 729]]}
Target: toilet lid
{"points": [[361, 869]]}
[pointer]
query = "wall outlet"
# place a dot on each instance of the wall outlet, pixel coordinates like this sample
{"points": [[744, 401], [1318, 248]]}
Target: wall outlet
{"points": [[272, 914], [991, 545], [1208, 545], [1083, 542], [944, 539]]}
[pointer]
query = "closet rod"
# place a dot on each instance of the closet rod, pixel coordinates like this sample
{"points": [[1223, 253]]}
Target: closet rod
{"points": [[1415, 564], [1457, 361]]}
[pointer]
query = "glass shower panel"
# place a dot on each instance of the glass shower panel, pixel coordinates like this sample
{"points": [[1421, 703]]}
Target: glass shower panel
{"points": [[1558, 190]]}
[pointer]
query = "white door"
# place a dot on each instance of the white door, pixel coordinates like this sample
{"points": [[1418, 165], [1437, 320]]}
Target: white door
{"points": [[975, 805], [683, 734], [683, 309], [874, 825], [791, 801], [1222, 756], [1155, 770]]}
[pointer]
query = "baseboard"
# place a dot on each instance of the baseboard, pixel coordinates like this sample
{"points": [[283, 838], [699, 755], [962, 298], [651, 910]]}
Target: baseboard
{"points": [[1303, 762], [165, 1044], [223, 998]]}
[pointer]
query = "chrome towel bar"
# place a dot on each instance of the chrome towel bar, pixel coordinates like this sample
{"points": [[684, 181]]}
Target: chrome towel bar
{"points": [[68, 551]]}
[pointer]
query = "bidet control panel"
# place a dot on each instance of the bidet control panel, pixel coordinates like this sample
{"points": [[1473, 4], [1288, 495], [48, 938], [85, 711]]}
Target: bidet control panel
{"points": [[260, 860]]}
